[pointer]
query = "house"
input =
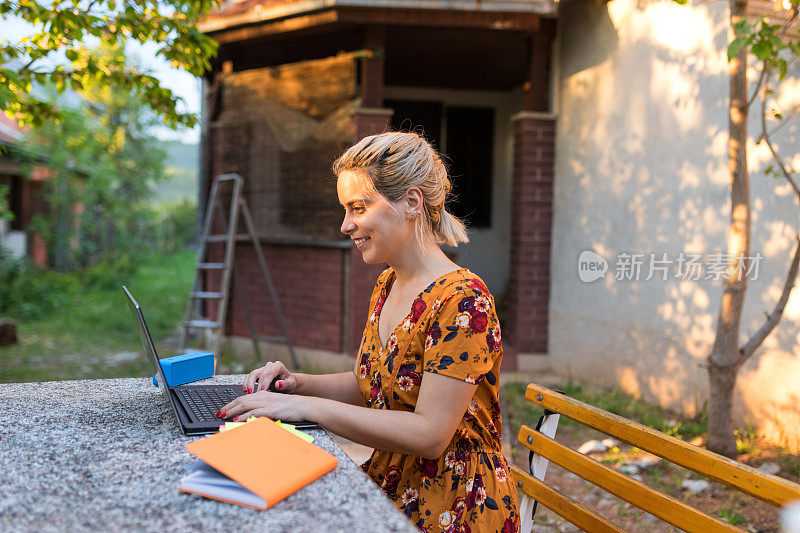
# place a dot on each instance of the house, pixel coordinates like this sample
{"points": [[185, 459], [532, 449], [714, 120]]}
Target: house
{"points": [[588, 146], [25, 197]]}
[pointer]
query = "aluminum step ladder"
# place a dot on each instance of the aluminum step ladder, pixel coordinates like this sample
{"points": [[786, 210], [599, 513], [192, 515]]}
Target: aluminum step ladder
{"points": [[198, 298]]}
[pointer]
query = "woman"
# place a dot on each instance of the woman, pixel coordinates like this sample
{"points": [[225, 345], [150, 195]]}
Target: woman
{"points": [[424, 393]]}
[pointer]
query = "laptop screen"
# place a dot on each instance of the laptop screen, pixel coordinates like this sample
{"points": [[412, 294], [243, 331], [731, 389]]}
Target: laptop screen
{"points": [[147, 341]]}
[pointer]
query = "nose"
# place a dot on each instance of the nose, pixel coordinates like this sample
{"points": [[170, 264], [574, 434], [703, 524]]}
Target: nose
{"points": [[347, 226]]}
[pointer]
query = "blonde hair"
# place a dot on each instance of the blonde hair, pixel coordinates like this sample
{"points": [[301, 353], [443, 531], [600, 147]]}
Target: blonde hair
{"points": [[397, 161]]}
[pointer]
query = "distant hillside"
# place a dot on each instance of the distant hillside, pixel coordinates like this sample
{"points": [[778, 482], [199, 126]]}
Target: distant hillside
{"points": [[185, 156], [182, 164]]}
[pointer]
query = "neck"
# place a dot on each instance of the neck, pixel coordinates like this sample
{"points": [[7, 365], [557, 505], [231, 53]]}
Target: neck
{"points": [[421, 262]]}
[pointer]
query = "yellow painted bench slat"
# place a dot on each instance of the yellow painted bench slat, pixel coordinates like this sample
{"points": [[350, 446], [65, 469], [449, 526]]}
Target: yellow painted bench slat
{"points": [[766, 487], [562, 505], [654, 502]]}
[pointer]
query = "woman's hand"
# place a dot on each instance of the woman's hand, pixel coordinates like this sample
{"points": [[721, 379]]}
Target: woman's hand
{"points": [[262, 379], [270, 404]]}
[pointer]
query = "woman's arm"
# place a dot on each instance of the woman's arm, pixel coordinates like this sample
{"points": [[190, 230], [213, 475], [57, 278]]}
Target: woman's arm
{"points": [[426, 432], [342, 387]]}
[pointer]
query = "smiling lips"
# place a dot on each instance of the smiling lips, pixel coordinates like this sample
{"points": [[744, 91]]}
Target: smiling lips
{"points": [[360, 241]]}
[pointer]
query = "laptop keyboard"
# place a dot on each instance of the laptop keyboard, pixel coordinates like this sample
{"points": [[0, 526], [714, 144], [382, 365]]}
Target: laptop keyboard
{"points": [[204, 403]]}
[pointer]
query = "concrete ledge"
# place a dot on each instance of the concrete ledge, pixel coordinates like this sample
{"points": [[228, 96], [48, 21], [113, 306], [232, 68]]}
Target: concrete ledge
{"points": [[107, 455]]}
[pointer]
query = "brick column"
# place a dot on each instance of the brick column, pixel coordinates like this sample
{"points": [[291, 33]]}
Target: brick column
{"points": [[531, 228], [362, 277]]}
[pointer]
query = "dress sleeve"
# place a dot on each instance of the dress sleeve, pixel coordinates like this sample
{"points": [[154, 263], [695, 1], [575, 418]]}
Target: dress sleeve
{"points": [[463, 338]]}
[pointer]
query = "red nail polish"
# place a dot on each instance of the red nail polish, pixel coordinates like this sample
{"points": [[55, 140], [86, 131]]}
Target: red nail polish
{"points": [[279, 385], [217, 413], [250, 391], [235, 418], [223, 415]]}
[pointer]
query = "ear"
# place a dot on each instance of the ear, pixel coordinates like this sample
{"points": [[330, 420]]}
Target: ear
{"points": [[414, 201]]}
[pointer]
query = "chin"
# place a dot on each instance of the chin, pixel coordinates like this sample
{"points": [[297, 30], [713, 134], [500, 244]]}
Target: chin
{"points": [[370, 260]]}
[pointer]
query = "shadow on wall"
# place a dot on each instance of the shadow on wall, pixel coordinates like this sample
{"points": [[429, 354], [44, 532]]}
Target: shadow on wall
{"points": [[642, 169], [590, 20]]}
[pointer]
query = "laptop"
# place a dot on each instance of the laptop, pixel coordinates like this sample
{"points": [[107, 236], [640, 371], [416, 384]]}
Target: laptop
{"points": [[194, 406]]}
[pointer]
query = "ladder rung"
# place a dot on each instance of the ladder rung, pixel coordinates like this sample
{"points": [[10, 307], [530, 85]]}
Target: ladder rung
{"points": [[205, 294], [211, 266], [267, 338], [223, 238], [202, 324]]}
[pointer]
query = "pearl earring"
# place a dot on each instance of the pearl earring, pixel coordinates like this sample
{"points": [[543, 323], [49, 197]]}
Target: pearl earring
{"points": [[414, 215]]}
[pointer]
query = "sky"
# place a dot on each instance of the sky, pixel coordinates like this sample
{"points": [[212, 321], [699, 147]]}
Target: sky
{"points": [[181, 83]]}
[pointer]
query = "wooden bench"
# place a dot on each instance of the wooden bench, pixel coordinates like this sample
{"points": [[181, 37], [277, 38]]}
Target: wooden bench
{"points": [[771, 489]]}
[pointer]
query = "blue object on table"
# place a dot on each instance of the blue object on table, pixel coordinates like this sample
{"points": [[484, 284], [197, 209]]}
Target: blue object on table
{"points": [[182, 369]]}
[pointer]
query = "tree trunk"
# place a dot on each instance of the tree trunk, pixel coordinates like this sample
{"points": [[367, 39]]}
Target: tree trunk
{"points": [[725, 358]]}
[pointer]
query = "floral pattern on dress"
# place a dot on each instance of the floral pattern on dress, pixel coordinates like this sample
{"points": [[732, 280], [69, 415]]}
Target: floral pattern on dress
{"points": [[451, 329]]}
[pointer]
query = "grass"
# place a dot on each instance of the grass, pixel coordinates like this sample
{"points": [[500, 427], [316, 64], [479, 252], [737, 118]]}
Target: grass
{"points": [[89, 334], [616, 401], [731, 516]]}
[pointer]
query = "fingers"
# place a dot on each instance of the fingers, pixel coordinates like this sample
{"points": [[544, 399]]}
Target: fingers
{"points": [[250, 380], [261, 378], [236, 408], [286, 384], [245, 406], [270, 372]]}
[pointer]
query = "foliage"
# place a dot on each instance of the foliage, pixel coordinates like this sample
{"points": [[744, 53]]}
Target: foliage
{"points": [[765, 41], [731, 516], [88, 331], [102, 164], [746, 439], [614, 401], [29, 293], [71, 152], [56, 52], [5, 211]]}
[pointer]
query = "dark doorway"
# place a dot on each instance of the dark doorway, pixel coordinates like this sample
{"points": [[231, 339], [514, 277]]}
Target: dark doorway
{"points": [[467, 136]]}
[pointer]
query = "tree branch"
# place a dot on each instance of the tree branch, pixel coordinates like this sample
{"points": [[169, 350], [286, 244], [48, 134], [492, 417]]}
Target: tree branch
{"points": [[768, 141], [785, 119], [27, 66], [772, 319], [775, 316], [757, 88]]}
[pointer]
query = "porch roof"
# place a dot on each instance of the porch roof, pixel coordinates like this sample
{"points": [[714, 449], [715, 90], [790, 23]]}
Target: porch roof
{"points": [[239, 13]]}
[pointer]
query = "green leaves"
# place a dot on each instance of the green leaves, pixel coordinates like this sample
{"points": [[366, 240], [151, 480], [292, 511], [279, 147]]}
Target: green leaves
{"points": [[736, 45], [5, 211], [61, 27], [764, 42]]}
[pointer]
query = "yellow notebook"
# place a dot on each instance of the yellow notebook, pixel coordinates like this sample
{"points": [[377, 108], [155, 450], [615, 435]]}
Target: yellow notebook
{"points": [[255, 465]]}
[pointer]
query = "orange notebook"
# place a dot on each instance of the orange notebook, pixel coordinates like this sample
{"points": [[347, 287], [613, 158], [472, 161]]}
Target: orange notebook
{"points": [[257, 465]]}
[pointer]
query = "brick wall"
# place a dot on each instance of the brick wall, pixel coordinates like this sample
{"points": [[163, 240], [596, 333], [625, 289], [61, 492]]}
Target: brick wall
{"points": [[308, 281], [309, 284], [281, 128], [531, 228]]}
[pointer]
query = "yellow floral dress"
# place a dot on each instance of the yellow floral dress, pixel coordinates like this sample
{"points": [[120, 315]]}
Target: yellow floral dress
{"points": [[451, 329]]}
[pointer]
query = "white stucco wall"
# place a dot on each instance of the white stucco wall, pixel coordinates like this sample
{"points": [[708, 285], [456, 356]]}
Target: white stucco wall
{"points": [[641, 168]]}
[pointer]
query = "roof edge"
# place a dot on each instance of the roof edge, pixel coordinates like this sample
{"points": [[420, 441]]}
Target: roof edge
{"points": [[262, 13]]}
